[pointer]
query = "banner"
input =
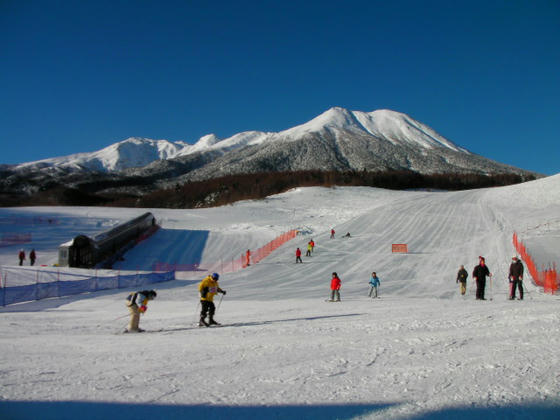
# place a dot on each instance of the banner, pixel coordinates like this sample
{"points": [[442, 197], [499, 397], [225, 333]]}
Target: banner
{"points": [[400, 248]]}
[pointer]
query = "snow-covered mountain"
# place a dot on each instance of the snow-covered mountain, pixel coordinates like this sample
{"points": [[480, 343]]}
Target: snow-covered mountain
{"points": [[358, 140], [336, 140]]}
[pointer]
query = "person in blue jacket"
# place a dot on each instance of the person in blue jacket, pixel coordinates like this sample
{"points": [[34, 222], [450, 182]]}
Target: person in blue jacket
{"points": [[373, 283]]}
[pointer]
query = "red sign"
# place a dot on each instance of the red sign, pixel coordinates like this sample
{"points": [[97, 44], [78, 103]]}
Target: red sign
{"points": [[400, 248]]}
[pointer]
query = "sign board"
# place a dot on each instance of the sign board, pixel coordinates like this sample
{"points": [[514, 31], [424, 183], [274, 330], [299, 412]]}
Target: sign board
{"points": [[400, 248]]}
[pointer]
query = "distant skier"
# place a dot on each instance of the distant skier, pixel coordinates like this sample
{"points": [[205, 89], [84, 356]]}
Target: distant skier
{"points": [[32, 257], [21, 256], [347, 235], [208, 287], [462, 279], [332, 233], [335, 288], [374, 283], [248, 257], [309, 249], [479, 275], [515, 278], [137, 304], [298, 256], [312, 242]]}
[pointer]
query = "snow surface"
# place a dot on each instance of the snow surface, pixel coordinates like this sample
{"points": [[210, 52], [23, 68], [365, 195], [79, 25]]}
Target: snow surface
{"points": [[419, 351]]}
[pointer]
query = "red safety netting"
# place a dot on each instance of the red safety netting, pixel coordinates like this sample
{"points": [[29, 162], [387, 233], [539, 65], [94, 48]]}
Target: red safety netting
{"points": [[547, 279], [233, 265]]}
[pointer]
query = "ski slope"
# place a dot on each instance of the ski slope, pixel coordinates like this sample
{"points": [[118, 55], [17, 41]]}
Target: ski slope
{"points": [[420, 351]]}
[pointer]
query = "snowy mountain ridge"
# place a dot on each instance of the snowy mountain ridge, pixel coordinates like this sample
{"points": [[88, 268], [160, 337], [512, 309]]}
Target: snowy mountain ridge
{"points": [[136, 152]]}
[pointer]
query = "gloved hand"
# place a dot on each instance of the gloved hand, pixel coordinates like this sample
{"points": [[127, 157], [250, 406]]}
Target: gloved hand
{"points": [[143, 308], [224, 292]]}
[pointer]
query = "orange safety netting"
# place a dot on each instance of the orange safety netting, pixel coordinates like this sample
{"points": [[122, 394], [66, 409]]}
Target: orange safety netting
{"points": [[547, 279], [246, 259]]}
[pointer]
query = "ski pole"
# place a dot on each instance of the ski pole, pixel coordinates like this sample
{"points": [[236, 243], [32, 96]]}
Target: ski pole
{"points": [[220, 302], [196, 316]]}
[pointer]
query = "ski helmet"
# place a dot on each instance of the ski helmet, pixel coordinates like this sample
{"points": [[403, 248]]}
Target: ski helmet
{"points": [[215, 276]]}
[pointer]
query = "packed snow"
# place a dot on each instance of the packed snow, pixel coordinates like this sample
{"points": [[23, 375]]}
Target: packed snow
{"points": [[421, 350]]}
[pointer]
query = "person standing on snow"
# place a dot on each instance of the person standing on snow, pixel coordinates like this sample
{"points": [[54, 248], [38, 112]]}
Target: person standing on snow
{"points": [[137, 304], [335, 288], [32, 257], [312, 243], [374, 282], [515, 278], [332, 233], [309, 249], [462, 278], [298, 256], [248, 258], [208, 287], [21, 256], [479, 275]]}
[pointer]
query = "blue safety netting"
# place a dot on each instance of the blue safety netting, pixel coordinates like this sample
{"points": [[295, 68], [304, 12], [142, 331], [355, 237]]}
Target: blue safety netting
{"points": [[23, 285]]}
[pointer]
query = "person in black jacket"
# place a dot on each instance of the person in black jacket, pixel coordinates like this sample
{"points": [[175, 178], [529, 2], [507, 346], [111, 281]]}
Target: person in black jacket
{"points": [[462, 278], [515, 278], [479, 275]]}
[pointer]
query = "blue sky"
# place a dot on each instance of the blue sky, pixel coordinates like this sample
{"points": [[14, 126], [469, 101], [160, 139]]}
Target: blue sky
{"points": [[77, 76]]}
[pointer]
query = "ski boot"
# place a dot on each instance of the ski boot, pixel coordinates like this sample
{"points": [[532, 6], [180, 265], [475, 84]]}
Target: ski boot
{"points": [[203, 323], [212, 322]]}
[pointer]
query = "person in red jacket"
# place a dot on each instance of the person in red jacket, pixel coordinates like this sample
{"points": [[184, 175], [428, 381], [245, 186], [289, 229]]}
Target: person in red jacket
{"points": [[298, 256], [335, 288]]}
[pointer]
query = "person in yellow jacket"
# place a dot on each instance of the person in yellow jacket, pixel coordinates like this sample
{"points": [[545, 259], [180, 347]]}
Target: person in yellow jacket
{"points": [[208, 288], [137, 304]]}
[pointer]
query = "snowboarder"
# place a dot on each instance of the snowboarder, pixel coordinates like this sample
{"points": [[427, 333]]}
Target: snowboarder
{"points": [[479, 275], [462, 279], [298, 256], [21, 256], [515, 278], [332, 233], [309, 249], [374, 282], [32, 257], [208, 287], [335, 288], [137, 303]]}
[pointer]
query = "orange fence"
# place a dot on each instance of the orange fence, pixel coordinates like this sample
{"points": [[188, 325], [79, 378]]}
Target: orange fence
{"points": [[226, 266], [547, 279]]}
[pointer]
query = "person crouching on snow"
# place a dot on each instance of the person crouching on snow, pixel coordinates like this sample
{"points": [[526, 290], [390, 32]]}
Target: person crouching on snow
{"points": [[208, 287], [335, 288], [137, 304]]}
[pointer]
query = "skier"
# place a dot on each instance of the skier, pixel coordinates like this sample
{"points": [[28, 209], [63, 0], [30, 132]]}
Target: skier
{"points": [[309, 249], [21, 256], [137, 303], [32, 256], [298, 256], [248, 257], [347, 235], [462, 278], [515, 278], [332, 233], [208, 287], [335, 288], [374, 282], [312, 242], [479, 275]]}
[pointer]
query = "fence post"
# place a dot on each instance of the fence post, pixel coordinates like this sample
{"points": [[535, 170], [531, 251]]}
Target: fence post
{"points": [[36, 284]]}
